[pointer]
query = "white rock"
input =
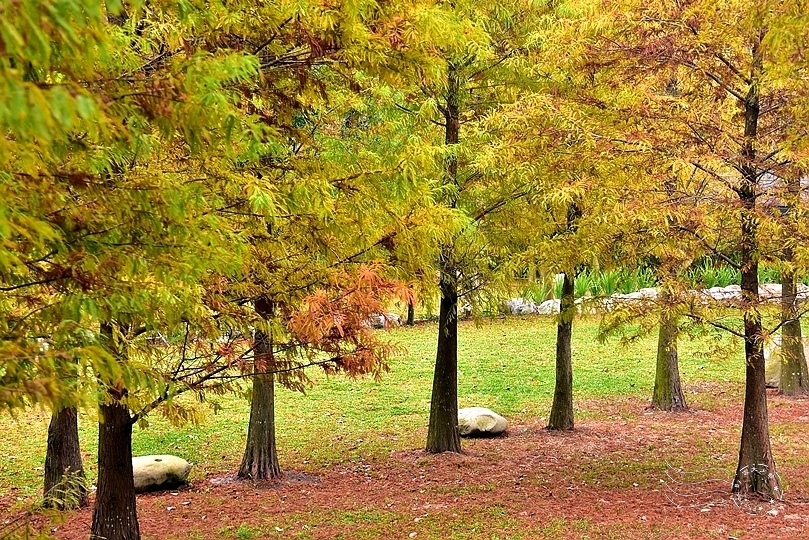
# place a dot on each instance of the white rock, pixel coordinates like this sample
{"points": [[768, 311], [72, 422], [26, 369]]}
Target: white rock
{"points": [[770, 291], [479, 421], [548, 307], [381, 320], [465, 310], [154, 473], [648, 293], [722, 294], [520, 306]]}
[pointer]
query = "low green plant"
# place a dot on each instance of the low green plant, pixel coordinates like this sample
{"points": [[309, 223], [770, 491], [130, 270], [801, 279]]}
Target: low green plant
{"points": [[727, 275], [707, 275], [537, 292], [768, 274], [609, 282], [583, 284], [246, 533], [558, 283], [630, 281]]}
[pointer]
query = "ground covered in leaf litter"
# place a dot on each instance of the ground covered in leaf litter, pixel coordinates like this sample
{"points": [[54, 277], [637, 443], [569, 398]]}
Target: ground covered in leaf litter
{"points": [[633, 474]]}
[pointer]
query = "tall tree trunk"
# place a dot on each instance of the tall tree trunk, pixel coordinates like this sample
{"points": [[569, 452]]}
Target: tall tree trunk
{"points": [[260, 461], [442, 432], [794, 379], [64, 474], [668, 393], [562, 409], [411, 313], [755, 474], [114, 513]]}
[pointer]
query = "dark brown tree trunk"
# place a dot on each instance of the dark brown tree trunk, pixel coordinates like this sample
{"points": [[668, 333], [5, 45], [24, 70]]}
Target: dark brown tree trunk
{"points": [[794, 379], [561, 417], [668, 393], [442, 432], [65, 486], [411, 313], [260, 461], [114, 512], [755, 474]]}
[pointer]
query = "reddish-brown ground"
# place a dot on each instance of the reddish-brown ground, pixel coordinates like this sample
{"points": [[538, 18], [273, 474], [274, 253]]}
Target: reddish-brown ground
{"points": [[646, 477]]}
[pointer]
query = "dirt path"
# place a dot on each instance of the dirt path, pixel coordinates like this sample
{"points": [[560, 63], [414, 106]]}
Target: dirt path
{"points": [[656, 476]]}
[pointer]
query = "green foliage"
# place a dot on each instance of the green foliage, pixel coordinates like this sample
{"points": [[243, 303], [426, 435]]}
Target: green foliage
{"points": [[708, 275], [636, 279], [583, 285], [769, 274], [537, 291]]}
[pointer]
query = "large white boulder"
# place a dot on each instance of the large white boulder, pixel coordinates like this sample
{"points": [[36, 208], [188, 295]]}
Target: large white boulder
{"points": [[520, 306], [480, 422], [548, 307], [153, 473]]}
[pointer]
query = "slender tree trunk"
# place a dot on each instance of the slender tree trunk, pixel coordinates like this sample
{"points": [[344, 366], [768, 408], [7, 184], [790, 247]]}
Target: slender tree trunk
{"points": [[561, 417], [794, 379], [755, 474], [114, 513], [668, 393], [442, 432], [260, 461], [411, 313], [64, 474]]}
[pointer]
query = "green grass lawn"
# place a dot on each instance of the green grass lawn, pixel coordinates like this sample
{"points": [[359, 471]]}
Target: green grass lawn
{"points": [[506, 365]]}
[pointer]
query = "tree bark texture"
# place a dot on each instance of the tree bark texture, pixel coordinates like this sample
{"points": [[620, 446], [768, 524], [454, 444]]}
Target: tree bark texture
{"points": [[411, 313], [561, 417], [755, 473], [442, 432], [260, 461], [794, 379], [668, 393], [114, 513], [65, 486]]}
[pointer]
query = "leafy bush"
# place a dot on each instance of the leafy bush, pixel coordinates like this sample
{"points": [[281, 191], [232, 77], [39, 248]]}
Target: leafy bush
{"points": [[537, 291], [708, 275], [583, 284], [768, 274], [635, 280]]}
